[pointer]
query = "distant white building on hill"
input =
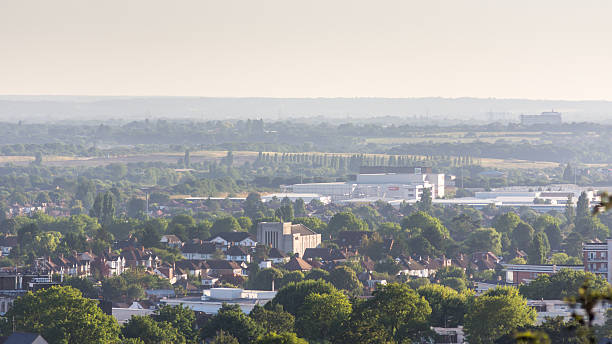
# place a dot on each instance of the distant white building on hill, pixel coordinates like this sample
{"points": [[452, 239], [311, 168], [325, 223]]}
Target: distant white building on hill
{"points": [[550, 117]]}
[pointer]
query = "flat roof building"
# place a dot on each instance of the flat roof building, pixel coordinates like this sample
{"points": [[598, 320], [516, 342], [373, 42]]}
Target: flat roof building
{"points": [[550, 117]]}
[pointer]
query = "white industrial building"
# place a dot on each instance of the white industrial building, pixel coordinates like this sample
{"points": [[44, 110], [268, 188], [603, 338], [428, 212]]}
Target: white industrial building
{"points": [[550, 117], [213, 299], [381, 182]]}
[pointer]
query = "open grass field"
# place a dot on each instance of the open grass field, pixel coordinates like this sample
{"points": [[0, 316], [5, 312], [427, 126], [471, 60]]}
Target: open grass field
{"points": [[240, 157]]}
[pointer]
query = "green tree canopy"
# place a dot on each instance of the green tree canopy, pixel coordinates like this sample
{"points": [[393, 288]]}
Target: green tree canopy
{"points": [[495, 313], [151, 331], [293, 295], [561, 285], [273, 320], [448, 307], [322, 316], [232, 320], [506, 223], [226, 224], [538, 249], [345, 221], [484, 239], [396, 313], [181, 318], [62, 315], [345, 278], [280, 338]]}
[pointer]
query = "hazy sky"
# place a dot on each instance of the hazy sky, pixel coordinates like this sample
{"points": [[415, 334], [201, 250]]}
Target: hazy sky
{"points": [[559, 49]]}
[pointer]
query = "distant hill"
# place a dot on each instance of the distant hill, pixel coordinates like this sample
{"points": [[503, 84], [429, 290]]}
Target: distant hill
{"points": [[438, 110]]}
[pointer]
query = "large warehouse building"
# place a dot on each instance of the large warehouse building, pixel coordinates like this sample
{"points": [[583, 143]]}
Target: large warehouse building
{"points": [[385, 182]]}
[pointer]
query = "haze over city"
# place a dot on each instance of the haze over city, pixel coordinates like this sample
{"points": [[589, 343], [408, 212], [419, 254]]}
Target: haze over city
{"points": [[295, 172], [399, 49]]}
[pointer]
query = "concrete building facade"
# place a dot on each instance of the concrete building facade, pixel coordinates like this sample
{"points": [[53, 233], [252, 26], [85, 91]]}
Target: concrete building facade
{"points": [[287, 237], [596, 258]]}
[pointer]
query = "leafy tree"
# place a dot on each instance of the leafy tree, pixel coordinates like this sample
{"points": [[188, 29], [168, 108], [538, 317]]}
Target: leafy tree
{"points": [[345, 278], [553, 233], [561, 285], [572, 244], [522, 235], [316, 274], [570, 211], [394, 313], [273, 320], [187, 158], [322, 316], [562, 258], [590, 227], [345, 221], [448, 307], [425, 231], [299, 207], [136, 207], [285, 212], [226, 224], [253, 205], [262, 280], [425, 203], [232, 320], [517, 260], [84, 285], [103, 208], [151, 331], [449, 271], [223, 337], [181, 318], [484, 239], [506, 223], [538, 249], [293, 295], [313, 223], [280, 338], [495, 313], [462, 225], [568, 173], [458, 284], [245, 223], [62, 315], [582, 206], [289, 277]]}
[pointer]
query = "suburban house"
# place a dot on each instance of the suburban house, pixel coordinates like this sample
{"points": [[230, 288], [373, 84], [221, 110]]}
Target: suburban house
{"points": [[65, 266], [135, 257], [198, 250], [221, 267], [171, 240], [411, 267], [7, 243], [298, 264], [238, 253], [114, 262], [277, 257], [485, 260], [324, 254], [234, 238], [191, 267]]}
